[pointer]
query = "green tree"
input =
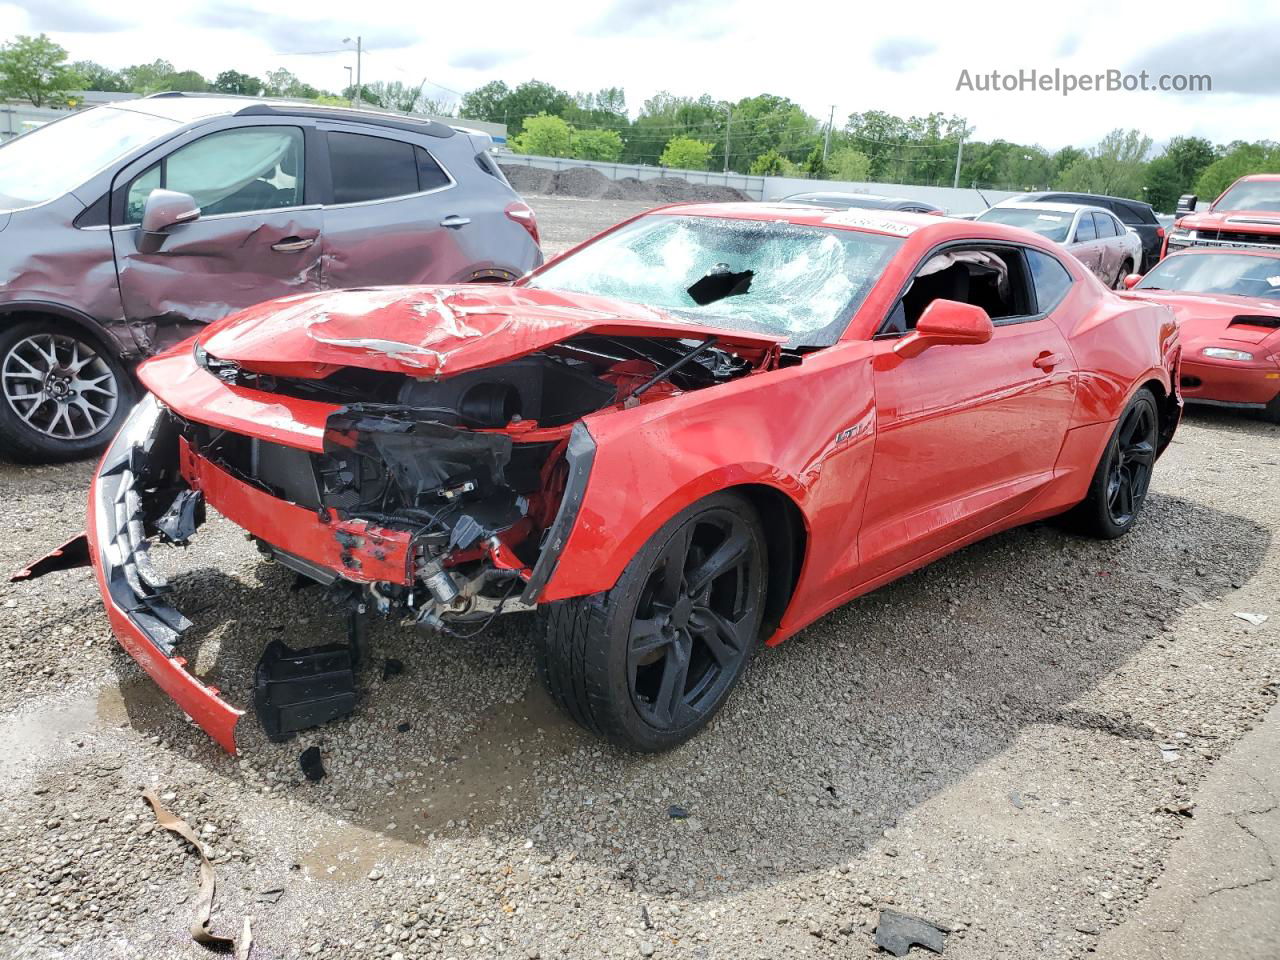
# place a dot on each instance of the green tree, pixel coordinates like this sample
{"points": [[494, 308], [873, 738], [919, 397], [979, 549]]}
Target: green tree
{"points": [[664, 117], [1175, 171], [545, 136], [1115, 167], [849, 164], [94, 76], [188, 81], [1238, 160], [235, 82], [486, 103], [34, 68], [685, 153], [148, 77], [815, 164], [769, 164], [366, 95], [604, 145]]}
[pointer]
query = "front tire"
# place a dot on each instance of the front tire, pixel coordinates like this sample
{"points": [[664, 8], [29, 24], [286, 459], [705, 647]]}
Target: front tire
{"points": [[64, 394], [1123, 475], [649, 662], [1126, 268]]}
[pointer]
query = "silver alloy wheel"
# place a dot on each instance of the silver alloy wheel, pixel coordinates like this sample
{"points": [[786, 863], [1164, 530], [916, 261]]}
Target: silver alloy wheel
{"points": [[59, 386]]}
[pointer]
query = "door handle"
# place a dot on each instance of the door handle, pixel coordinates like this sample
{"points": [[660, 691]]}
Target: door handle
{"points": [[1047, 361], [292, 244], [455, 221]]}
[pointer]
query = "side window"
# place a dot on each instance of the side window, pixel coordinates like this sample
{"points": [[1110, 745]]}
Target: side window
{"points": [[371, 168], [233, 171], [1127, 214], [431, 175], [1084, 230], [1105, 225], [993, 278], [1050, 278]]}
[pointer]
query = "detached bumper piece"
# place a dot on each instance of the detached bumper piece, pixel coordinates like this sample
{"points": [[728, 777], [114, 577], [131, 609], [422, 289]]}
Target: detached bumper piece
{"points": [[137, 486], [296, 689]]}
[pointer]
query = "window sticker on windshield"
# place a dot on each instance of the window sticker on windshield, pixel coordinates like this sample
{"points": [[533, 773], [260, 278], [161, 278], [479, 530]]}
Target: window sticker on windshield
{"points": [[1274, 281], [849, 218], [1050, 216]]}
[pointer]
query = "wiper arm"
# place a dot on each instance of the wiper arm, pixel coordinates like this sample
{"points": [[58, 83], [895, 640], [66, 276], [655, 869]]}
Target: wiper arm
{"points": [[671, 368]]}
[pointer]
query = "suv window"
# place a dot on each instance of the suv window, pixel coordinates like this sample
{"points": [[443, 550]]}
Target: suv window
{"points": [[371, 168], [431, 175], [1106, 226], [1050, 278], [1084, 229], [232, 171]]}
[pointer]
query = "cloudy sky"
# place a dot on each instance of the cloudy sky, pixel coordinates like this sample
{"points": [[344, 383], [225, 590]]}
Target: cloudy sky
{"points": [[904, 58]]}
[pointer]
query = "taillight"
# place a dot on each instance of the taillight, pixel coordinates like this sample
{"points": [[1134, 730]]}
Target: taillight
{"points": [[522, 214], [1160, 232]]}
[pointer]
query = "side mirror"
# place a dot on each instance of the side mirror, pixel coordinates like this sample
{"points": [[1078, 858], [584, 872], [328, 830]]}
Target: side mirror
{"points": [[164, 209], [1186, 204], [946, 322], [1132, 280]]}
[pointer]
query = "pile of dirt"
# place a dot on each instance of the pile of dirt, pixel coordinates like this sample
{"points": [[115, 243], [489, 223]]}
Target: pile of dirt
{"points": [[589, 183]]}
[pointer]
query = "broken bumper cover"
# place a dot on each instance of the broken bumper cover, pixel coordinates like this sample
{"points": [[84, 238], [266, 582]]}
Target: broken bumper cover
{"points": [[145, 623]]}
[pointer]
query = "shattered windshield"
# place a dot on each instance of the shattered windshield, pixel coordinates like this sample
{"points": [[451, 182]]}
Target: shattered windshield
{"points": [[761, 276], [1216, 273]]}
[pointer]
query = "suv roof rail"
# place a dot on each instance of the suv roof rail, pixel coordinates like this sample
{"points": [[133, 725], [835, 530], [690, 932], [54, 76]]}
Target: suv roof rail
{"points": [[256, 107]]}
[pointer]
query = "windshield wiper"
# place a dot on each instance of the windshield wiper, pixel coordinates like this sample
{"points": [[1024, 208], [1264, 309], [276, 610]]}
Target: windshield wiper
{"points": [[671, 368]]}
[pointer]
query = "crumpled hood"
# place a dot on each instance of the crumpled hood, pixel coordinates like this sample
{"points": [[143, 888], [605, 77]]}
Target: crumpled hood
{"points": [[432, 331], [1206, 318]]}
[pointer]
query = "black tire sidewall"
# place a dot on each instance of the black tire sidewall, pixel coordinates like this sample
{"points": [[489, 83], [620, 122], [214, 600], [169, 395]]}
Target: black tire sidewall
{"points": [[20, 443], [1098, 516], [619, 610]]}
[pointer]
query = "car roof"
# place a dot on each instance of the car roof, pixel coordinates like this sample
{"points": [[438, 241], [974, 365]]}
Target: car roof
{"points": [[1076, 193], [899, 223], [1056, 207], [193, 107], [1260, 176], [875, 200]]}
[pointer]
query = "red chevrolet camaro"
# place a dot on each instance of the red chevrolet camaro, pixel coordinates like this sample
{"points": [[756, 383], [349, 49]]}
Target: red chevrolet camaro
{"points": [[706, 427], [1228, 307]]}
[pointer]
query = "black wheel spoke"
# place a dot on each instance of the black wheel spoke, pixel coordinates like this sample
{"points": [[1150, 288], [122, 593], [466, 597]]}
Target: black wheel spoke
{"points": [[720, 634], [675, 674], [1141, 453], [728, 555], [672, 564], [647, 637], [1124, 495]]}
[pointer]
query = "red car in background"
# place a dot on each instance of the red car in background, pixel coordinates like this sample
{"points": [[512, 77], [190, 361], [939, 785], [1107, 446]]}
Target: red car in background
{"points": [[1245, 217], [707, 426], [1228, 306]]}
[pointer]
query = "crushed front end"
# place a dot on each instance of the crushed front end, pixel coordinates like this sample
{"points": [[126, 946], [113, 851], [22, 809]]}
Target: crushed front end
{"points": [[439, 502]]}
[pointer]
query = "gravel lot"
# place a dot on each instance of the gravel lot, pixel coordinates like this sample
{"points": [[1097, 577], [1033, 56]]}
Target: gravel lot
{"points": [[979, 744]]}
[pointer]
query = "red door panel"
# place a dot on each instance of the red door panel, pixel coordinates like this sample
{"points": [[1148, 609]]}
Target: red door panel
{"points": [[966, 435]]}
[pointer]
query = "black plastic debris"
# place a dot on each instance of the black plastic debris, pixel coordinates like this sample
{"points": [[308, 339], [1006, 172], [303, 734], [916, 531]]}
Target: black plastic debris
{"points": [[185, 514], [899, 932], [391, 667], [403, 727], [296, 689], [312, 767], [272, 895], [677, 812]]}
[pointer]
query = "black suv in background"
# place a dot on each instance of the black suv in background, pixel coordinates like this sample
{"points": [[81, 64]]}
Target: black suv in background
{"points": [[1135, 214]]}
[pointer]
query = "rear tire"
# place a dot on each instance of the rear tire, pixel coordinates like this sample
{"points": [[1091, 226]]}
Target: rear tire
{"points": [[649, 662], [64, 394], [1123, 475], [1126, 268], [1272, 410]]}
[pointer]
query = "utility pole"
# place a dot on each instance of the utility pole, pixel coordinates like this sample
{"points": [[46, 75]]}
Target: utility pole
{"points": [[359, 53], [351, 85], [959, 153], [728, 121], [826, 142]]}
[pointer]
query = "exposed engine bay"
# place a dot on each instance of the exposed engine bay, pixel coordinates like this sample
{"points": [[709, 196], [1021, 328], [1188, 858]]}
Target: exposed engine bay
{"points": [[473, 468]]}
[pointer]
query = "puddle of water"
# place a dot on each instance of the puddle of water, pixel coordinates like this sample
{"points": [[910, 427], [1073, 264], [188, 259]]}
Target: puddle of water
{"points": [[488, 776]]}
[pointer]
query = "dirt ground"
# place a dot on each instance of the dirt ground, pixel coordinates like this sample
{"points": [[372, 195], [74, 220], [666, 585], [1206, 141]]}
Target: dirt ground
{"points": [[1009, 743]]}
